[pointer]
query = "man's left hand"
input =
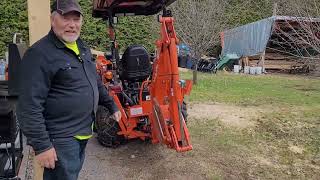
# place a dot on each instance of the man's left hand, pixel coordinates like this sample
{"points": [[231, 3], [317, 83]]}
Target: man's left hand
{"points": [[117, 116]]}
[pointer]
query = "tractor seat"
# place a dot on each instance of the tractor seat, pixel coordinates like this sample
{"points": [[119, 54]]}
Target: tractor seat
{"points": [[135, 64]]}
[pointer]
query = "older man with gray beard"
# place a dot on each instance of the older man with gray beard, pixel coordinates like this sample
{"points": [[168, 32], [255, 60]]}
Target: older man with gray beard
{"points": [[60, 93]]}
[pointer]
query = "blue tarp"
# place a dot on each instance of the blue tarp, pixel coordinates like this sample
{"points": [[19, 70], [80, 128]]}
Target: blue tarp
{"points": [[183, 49], [248, 40]]}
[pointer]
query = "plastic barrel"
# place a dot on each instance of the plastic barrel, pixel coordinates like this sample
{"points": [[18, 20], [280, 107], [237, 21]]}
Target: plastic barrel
{"points": [[252, 70], [246, 69], [236, 68], [258, 70]]}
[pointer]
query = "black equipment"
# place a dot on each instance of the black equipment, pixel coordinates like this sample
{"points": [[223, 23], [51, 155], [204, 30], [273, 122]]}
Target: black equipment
{"points": [[8, 125], [10, 135], [11, 142], [16, 52]]}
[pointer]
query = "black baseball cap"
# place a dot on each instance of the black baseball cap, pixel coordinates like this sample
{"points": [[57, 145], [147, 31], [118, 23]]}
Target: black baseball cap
{"points": [[65, 6]]}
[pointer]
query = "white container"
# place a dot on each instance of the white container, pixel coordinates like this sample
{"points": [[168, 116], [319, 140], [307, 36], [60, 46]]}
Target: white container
{"points": [[252, 70], [258, 70], [246, 69], [7, 57], [2, 67], [236, 68]]}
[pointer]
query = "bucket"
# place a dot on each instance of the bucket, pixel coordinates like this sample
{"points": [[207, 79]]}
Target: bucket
{"points": [[252, 70], [236, 68], [258, 70], [246, 69]]}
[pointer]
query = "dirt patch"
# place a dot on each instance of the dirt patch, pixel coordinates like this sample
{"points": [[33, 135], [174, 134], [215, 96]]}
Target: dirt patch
{"points": [[138, 160], [308, 89], [301, 87], [264, 161], [142, 160], [235, 116], [296, 149]]}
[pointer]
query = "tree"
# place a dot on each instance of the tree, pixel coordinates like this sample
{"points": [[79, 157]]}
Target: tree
{"points": [[240, 12], [198, 24], [303, 8], [130, 30], [13, 19], [299, 36]]}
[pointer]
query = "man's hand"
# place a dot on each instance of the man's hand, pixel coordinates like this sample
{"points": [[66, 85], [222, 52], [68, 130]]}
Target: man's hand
{"points": [[47, 159], [117, 116]]}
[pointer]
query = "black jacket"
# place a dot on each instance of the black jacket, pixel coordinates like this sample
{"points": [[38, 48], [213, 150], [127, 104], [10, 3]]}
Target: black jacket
{"points": [[59, 92]]}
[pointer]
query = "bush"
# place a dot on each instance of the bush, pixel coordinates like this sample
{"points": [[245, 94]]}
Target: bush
{"points": [[131, 30]]}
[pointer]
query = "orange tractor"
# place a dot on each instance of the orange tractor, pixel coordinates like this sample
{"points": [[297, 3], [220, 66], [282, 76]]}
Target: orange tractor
{"points": [[147, 91]]}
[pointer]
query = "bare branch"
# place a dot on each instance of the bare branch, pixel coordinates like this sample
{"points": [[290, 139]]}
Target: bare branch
{"points": [[299, 36], [198, 23]]}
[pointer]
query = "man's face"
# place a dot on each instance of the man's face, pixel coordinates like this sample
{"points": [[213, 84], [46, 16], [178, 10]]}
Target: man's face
{"points": [[67, 27]]}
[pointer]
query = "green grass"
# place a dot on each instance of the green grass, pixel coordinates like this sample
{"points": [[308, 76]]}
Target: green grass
{"points": [[255, 90], [291, 118]]}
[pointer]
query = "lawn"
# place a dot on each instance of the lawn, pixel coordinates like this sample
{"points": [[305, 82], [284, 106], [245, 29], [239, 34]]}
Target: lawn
{"points": [[256, 90], [282, 140]]}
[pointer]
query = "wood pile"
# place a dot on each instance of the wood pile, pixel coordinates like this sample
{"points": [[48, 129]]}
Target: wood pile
{"points": [[276, 62]]}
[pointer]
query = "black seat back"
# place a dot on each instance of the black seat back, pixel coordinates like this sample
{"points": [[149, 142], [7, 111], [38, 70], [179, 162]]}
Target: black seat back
{"points": [[135, 64]]}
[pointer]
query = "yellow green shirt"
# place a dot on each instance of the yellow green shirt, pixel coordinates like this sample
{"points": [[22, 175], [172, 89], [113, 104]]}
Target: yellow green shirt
{"points": [[74, 47]]}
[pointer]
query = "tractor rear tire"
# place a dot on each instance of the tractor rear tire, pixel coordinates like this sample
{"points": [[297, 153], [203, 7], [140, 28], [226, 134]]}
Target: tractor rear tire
{"points": [[184, 111], [107, 128]]}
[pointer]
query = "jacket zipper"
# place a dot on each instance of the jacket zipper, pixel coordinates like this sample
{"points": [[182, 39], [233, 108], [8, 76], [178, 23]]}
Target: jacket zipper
{"points": [[85, 72]]}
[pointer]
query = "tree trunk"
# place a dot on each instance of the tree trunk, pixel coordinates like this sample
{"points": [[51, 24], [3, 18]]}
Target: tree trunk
{"points": [[275, 9], [195, 74]]}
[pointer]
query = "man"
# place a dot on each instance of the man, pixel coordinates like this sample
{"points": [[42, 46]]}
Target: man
{"points": [[60, 92]]}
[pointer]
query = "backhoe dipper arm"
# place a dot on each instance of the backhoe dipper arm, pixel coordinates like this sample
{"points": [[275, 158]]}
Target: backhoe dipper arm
{"points": [[167, 91]]}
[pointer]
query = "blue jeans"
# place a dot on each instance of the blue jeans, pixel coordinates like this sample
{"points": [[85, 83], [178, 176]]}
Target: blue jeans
{"points": [[71, 153]]}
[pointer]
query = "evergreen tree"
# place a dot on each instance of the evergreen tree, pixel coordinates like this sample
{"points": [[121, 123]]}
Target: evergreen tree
{"points": [[13, 19]]}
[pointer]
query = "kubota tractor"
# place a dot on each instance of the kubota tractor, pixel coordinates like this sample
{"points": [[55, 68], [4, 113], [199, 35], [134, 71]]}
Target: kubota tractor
{"points": [[146, 89]]}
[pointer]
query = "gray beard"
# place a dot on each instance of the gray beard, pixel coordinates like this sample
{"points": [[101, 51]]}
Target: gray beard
{"points": [[70, 40]]}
